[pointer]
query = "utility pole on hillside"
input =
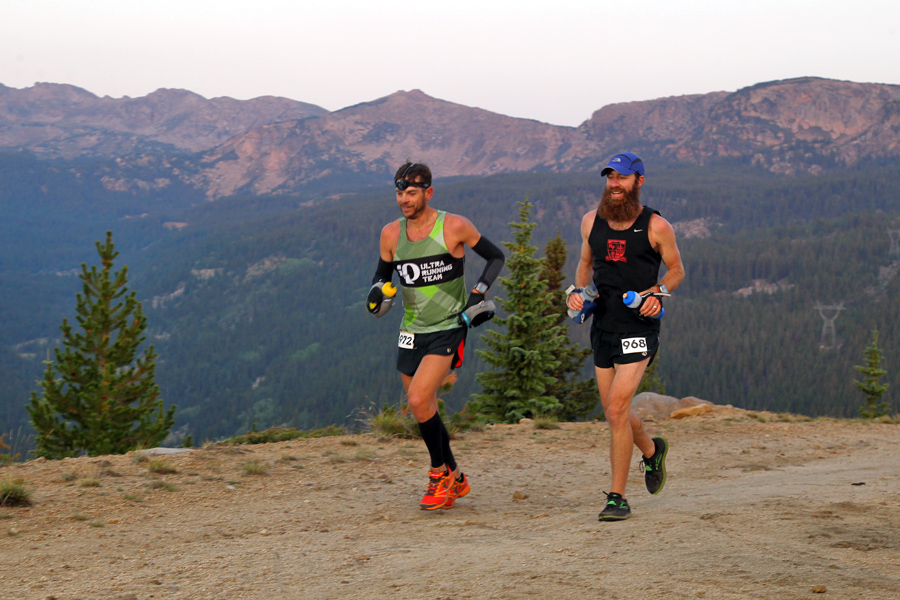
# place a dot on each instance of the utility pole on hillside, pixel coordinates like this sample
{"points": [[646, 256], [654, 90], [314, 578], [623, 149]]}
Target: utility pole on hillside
{"points": [[829, 313]]}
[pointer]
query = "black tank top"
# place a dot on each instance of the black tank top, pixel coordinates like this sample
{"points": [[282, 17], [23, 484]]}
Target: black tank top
{"points": [[623, 261]]}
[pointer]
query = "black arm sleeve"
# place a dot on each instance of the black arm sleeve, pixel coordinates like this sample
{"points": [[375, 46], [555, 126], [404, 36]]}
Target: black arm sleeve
{"points": [[384, 271], [494, 257]]}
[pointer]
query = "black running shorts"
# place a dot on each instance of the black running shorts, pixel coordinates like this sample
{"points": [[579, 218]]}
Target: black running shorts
{"points": [[623, 348], [445, 343]]}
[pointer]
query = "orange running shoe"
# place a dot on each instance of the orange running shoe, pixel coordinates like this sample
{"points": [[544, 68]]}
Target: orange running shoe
{"points": [[439, 484], [458, 489]]}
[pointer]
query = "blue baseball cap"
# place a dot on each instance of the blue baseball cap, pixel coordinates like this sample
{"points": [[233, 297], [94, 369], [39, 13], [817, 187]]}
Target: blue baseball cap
{"points": [[625, 163]]}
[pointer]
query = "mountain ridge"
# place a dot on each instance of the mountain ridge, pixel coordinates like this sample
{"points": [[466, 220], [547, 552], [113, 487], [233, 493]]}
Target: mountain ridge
{"points": [[52, 120], [271, 145]]}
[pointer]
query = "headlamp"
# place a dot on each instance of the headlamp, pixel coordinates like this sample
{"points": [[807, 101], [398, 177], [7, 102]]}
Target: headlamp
{"points": [[402, 184]]}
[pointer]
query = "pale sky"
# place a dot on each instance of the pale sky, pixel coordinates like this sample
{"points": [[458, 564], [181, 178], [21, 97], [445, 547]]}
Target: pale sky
{"points": [[553, 61]]}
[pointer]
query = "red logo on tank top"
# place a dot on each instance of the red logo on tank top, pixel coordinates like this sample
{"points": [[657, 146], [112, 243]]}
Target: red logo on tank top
{"points": [[615, 251]]}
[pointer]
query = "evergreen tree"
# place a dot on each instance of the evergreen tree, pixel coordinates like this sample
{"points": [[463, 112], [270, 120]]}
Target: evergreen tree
{"points": [[523, 358], [872, 406], [99, 396], [577, 396]]}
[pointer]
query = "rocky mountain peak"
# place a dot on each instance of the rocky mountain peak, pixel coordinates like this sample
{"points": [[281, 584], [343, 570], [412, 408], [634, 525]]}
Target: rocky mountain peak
{"points": [[59, 120], [272, 145]]}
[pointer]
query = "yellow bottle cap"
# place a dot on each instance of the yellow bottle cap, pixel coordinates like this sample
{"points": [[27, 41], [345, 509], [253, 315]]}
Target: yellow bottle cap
{"points": [[389, 289]]}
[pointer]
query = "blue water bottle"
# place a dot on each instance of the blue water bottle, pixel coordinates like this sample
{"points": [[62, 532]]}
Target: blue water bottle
{"points": [[635, 300], [589, 297]]}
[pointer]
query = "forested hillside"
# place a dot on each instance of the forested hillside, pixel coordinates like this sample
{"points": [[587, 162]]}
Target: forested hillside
{"points": [[255, 303]]}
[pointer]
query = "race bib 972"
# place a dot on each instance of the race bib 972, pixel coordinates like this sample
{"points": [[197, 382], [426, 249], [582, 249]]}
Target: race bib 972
{"points": [[406, 340], [634, 345]]}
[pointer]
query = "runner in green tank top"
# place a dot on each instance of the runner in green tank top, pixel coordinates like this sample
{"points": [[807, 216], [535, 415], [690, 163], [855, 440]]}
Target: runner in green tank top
{"points": [[426, 248], [440, 297]]}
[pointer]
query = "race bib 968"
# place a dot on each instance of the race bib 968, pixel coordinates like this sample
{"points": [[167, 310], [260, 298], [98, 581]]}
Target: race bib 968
{"points": [[634, 345]]}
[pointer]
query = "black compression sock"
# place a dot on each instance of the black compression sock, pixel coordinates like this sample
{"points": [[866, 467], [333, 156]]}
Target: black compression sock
{"points": [[432, 433], [445, 448]]}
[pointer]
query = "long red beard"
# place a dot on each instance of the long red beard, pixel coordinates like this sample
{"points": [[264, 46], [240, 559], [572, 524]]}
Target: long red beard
{"points": [[620, 211]]}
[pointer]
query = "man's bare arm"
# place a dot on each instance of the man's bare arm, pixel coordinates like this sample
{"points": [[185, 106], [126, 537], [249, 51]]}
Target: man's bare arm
{"points": [[585, 268], [390, 234], [662, 236]]}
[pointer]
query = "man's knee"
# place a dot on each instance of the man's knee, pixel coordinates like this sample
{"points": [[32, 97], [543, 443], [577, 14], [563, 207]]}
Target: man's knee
{"points": [[618, 413], [419, 401]]}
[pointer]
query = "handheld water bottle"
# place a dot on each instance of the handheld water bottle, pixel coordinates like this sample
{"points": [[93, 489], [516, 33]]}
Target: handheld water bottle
{"points": [[589, 297], [388, 290], [634, 300]]}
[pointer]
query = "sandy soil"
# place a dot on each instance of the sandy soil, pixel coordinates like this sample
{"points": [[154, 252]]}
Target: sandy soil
{"points": [[773, 509]]}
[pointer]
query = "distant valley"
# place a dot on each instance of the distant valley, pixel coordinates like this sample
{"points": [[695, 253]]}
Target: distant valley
{"points": [[250, 230]]}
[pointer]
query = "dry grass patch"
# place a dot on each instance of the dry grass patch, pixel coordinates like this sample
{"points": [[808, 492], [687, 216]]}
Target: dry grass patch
{"points": [[14, 492], [255, 467], [161, 467]]}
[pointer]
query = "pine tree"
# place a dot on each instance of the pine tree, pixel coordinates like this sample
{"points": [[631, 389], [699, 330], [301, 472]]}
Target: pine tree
{"points": [[99, 396], [577, 396], [872, 406], [523, 358]]}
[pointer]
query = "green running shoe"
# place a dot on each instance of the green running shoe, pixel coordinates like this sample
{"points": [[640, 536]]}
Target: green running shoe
{"points": [[617, 508], [655, 467]]}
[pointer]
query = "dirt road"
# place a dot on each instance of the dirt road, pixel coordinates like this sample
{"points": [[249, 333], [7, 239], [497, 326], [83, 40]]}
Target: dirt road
{"points": [[776, 510]]}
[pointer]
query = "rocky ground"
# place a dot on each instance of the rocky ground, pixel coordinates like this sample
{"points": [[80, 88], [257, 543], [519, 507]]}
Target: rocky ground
{"points": [[755, 506]]}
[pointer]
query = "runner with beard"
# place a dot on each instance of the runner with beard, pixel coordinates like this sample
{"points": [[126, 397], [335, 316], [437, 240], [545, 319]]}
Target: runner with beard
{"points": [[623, 244], [427, 248]]}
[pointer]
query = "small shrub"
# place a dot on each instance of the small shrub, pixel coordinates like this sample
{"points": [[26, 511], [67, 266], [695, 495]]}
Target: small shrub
{"points": [[546, 422], [98, 524], [254, 467], [161, 467], [132, 497], [90, 482], [69, 477], [469, 418], [393, 422], [334, 457], [364, 453], [79, 517], [13, 492]]}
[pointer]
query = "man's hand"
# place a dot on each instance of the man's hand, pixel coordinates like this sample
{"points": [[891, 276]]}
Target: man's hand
{"points": [[574, 301], [380, 298], [477, 311], [652, 304]]}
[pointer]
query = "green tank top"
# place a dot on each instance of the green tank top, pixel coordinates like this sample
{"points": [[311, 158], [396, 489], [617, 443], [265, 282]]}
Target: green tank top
{"points": [[431, 280]]}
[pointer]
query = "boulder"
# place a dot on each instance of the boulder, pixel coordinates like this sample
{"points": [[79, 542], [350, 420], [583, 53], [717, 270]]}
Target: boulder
{"points": [[690, 411], [650, 405]]}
